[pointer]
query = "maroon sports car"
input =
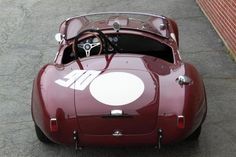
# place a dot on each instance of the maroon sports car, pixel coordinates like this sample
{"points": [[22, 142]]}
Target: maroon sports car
{"points": [[118, 79]]}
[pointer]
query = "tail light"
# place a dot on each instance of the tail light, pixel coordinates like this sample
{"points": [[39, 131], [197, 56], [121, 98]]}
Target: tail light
{"points": [[53, 125], [181, 122]]}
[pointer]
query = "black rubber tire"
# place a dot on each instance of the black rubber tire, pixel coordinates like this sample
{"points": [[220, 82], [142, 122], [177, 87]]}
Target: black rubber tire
{"points": [[41, 135], [195, 135]]}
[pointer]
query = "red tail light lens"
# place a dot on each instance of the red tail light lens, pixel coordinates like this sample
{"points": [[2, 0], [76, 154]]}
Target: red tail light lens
{"points": [[181, 122], [53, 125]]}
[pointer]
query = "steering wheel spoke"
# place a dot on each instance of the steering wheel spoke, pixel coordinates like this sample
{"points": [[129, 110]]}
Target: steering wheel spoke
{"points": [[95, 44], [87, 52]]}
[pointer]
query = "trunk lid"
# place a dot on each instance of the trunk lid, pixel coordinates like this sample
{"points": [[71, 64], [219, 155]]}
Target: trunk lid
{"points": [[117, 100]]}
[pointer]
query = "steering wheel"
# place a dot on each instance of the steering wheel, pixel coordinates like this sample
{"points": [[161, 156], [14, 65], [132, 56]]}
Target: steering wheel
{"points": [[103, 42], [88, 46]]}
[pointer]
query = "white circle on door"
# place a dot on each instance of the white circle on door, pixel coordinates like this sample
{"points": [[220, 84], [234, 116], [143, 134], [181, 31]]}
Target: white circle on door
{"points": [[116, 88]]}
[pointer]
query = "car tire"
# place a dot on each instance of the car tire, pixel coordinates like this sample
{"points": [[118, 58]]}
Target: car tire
{"points": [[41, 135], [195, 135]]}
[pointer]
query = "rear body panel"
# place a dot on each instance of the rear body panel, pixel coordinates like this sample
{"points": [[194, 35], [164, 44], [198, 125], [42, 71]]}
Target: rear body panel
{"points": [[162, 100]]}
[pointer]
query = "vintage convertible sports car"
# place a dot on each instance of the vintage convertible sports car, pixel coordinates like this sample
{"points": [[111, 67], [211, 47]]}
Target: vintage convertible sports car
{"points": [[118, 79]]}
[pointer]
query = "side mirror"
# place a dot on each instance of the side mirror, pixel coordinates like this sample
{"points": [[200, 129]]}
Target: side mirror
{"points": [[58, 37]]}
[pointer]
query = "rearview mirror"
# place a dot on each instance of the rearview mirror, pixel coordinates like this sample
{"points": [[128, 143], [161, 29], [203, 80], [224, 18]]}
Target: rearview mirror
{"points": [[58, 37]]}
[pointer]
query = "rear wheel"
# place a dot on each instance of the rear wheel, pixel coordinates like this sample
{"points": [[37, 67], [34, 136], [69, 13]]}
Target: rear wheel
{"points": [[41, 135], [195, 135]]}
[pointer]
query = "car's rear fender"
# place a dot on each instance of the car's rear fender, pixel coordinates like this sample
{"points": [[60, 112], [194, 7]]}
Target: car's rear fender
{"points": [[184, 102], [50, 103]]}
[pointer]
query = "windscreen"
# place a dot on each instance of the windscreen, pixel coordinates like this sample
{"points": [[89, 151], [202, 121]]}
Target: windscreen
{"points": [[139, 21]]}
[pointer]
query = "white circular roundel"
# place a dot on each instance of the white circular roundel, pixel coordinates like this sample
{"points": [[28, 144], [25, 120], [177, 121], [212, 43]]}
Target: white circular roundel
{"points": [[116, 88]]}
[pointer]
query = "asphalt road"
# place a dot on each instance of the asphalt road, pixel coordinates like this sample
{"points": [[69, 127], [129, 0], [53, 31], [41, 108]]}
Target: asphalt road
{"points": [[27, 42]]}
